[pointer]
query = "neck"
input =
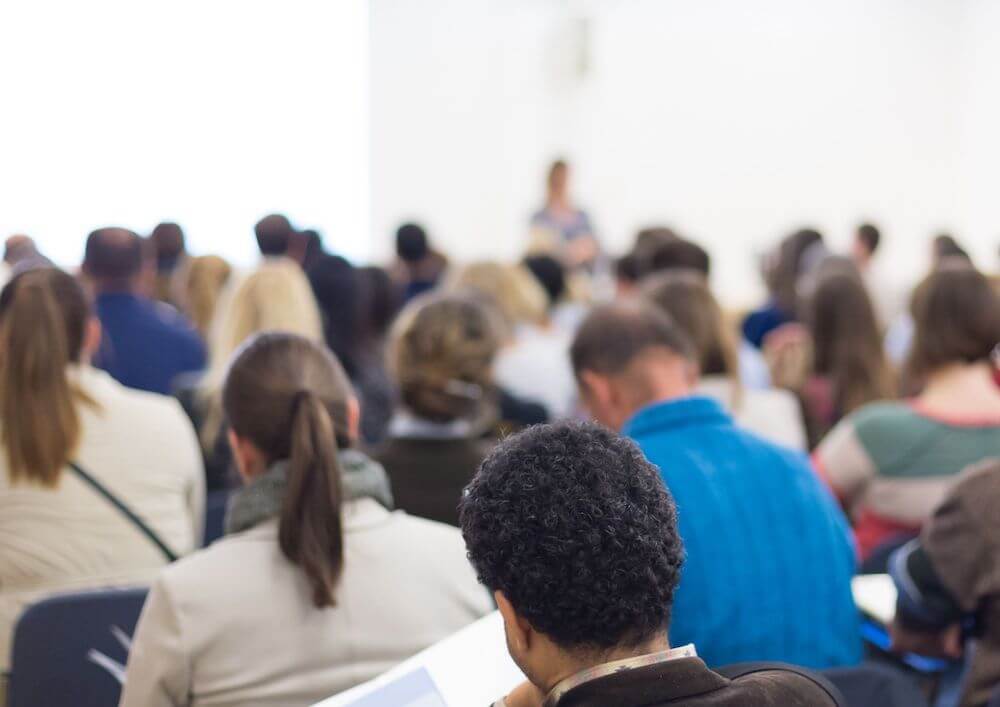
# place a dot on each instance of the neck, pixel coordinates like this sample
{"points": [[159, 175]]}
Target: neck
{"points": [[655, 377], [962, 388], [115, 287], [573, 664]]}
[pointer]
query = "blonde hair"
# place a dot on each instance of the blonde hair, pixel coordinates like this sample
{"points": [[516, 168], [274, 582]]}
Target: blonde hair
{"points": [[441, 353], [512, 288], [274, 297], [43, 318], [198, 285]]}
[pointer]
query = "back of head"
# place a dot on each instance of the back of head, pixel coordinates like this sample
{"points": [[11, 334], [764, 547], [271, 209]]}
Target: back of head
{"points": [[274, 297], [576, 528], [43, 319], [441, 353], [795, 255], [274, 233], [957, 318], [613, 336], [113, 258], [550, 275], [847, 343], [201, 285], [677, 254], [515, 292], [685, 297], [380, 302], [945, 248], [19, 248], [335, 283], [289, 397], [869, 237], [168, 243], [412, 244]]}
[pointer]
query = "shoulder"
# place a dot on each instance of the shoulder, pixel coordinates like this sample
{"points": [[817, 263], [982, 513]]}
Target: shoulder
{"points": [[780, 684], [108, 392], [217, 568]]}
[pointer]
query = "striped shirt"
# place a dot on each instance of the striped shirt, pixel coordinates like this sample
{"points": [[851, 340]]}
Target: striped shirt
{"points": [[892, 463]]}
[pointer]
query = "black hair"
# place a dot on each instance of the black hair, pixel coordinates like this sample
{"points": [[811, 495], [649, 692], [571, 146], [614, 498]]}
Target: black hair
{"points": [[627, 268], [380, 301], [576, 528], [411, 243], [335, 284], [274, 232], [550, 275], [869, 235], [168, 243]]}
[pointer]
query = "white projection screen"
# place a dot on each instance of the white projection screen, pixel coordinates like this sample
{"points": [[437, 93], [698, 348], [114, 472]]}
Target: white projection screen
{"points": [[210, 113]]}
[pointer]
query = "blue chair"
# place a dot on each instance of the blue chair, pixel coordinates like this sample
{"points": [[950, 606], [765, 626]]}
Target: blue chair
{"points": [[215, 516], [70, 650]]}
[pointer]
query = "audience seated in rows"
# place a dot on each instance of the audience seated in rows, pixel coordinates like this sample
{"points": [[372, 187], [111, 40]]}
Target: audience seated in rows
{"points": [[63, 421], [146, 344], [442, 352], [834, 361], [535, 362], [588, 596], [313, 590], [274, 297], [418, 267], [949, 584], [892, 463], [770, 557], [685, 297]]}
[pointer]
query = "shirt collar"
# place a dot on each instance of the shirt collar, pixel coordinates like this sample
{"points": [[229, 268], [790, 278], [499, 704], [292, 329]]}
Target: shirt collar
{"points": [[617, 666], [679, 412]]}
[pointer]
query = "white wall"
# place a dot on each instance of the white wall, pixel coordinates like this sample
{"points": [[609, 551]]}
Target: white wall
{"points": [[734, 121], [211, 113]]}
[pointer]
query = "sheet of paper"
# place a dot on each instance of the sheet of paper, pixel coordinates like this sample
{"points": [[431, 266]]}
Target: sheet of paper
{"points": [[875, 595], [469, 669]]}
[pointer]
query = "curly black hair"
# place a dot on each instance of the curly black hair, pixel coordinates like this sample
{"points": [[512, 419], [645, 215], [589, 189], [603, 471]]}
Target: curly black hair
{"points": [[576, 528]]}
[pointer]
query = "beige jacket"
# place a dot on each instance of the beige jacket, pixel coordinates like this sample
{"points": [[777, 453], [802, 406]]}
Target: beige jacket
{"points": [[235, 625], [143, 448]]}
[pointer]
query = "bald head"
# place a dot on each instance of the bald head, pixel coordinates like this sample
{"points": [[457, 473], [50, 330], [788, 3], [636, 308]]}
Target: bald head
{"points": [[113, 258]]}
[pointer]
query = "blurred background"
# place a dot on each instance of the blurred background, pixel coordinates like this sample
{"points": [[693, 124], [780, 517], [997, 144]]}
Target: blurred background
{"points": [[734, 122]]}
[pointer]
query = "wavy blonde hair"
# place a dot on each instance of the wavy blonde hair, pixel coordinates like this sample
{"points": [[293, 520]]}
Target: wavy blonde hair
{"points": [[197, 287], [512, 288], [274, 297]]}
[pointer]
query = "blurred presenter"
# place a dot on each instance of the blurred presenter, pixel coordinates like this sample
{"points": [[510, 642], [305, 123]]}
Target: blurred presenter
{"points": [[560, 228]]}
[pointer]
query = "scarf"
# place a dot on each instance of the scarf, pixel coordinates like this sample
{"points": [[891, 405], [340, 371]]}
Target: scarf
{"points": [[262, 498]]}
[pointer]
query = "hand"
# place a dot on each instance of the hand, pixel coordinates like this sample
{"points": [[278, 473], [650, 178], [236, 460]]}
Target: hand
{"points": [[946, 643], [525, 695]]}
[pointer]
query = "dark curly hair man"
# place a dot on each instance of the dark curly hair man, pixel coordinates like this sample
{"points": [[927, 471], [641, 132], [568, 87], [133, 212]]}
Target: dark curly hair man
{"points": [[576, 535]]}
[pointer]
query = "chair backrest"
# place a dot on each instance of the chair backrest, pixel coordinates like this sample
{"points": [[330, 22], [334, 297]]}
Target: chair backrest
{"points": [[215, 516], [70, 650]]}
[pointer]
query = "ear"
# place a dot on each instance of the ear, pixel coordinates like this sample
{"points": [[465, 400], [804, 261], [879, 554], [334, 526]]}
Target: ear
{"points": [[92, 335], [249, 460], [353, 418], [518, 629]]}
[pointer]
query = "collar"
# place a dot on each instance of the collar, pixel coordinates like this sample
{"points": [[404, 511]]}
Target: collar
{"points": [[695, 410], [618, 666], [406, 425]]}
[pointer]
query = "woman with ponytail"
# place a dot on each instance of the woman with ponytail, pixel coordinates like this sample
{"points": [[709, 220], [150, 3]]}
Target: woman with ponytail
{"points": [[64, 427], [314, 589]]}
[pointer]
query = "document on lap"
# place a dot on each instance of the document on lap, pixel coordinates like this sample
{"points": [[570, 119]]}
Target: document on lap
{"points": [[471, 667]]}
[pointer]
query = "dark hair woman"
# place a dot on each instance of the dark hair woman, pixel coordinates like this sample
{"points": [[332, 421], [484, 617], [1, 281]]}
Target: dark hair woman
{"points": [[306, 597]]}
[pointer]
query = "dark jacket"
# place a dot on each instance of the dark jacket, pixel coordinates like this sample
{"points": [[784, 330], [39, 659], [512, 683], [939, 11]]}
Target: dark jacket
{"points": [[428, 475], [689, 682]]}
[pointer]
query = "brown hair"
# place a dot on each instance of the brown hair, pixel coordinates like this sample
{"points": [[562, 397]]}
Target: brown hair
{"points": [[441, 352], [289, 397], [684, 295], [847, 345], [957, 318], [612, 336], [43, 315]]}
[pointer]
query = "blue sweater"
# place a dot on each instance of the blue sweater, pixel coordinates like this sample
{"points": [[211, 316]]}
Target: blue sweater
{"points": [[146, 344], [769, 553]]}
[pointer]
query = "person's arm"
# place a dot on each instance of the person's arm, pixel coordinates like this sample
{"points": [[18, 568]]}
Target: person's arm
{"points": [[159, 666]]}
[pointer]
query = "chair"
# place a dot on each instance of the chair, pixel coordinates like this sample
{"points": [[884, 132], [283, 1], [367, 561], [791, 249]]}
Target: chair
{"points": [[215, 516], [70, 650], [876, 685]]}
